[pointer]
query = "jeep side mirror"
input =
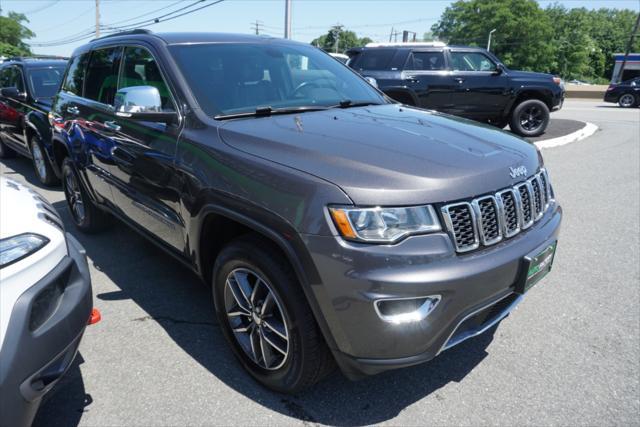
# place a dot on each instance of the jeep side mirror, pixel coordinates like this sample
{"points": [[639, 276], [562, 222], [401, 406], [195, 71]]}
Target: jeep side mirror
{"points": [[141, 103], [13, 92], [499, 70]]}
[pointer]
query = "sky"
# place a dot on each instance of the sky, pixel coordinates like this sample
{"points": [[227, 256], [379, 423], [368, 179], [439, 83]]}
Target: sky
{"points": [[56, 20]]}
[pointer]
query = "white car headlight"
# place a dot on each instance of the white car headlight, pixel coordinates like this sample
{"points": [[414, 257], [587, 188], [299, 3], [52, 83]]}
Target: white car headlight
{"points": [[15, 248], [382, 224]]}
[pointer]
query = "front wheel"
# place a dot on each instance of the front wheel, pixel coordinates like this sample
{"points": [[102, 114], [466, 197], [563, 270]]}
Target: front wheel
{"points": [[85, 214], [627, 100], [530, 118], [41, 164], [265, 317]]}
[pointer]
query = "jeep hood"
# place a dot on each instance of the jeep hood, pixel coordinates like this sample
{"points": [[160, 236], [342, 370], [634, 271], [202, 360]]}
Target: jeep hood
{"points": [[530, 75], [384, 155]]}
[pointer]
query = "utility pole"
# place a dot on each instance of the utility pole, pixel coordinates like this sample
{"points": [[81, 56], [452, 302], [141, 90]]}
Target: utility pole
{"points": [[256, 27], [97, 18], [391, 35], [626, 53], [287, 19], [489, 41]]}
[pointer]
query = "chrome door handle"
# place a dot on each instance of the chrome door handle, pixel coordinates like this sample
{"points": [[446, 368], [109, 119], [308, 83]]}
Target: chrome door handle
{"points": [[112, 125], [73, 110]]}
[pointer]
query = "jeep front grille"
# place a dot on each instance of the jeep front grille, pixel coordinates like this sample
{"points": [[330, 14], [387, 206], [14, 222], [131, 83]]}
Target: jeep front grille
{"points": [[489, 219]]}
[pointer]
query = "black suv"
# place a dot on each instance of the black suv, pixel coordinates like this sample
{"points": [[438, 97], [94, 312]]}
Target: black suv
{"points": [[464, 81], [27, 86], [331, 223]]}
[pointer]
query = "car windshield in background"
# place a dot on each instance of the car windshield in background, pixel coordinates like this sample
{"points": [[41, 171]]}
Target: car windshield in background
{"points": [[235, 78], [45, 81]]}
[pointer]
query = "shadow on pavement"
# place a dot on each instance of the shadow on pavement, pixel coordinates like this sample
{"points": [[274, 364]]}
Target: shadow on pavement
{"points": [[176, 299], [65, 403]]}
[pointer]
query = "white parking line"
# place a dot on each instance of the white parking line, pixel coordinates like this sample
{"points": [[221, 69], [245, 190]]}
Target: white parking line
{"points": [[588, 130]]}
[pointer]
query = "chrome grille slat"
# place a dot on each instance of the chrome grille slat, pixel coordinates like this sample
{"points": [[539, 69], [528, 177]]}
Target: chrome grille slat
{"points": [[487, 220]]}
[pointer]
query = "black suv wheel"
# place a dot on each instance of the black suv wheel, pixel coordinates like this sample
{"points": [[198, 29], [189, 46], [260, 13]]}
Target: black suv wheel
{"points": [[266, 319], [41, 164], [530, 118], [86, 216]]}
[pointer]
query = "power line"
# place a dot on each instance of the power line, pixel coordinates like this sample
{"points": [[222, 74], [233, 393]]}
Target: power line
{"points": [[142, 24], [148, 13]]}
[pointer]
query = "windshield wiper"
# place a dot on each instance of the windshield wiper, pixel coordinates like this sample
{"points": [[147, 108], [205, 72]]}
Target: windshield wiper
{"points": [[269, 111], [347, 103]]}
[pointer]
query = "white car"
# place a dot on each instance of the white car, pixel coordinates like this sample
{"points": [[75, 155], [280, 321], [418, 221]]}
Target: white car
{"points": [[45, 300]]}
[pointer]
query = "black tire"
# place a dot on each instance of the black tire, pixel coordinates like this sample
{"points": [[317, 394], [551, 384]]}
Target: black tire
{"points": [[627, 100], [5, 151], [41, 164], [529, 118], [86, 215], [308, 359]]}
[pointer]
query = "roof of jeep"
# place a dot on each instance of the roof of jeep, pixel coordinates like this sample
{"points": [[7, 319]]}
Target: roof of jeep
{"points": [[190, 37]]}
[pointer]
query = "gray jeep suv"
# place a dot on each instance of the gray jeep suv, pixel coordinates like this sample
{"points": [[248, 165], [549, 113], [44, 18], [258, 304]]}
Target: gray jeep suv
{"points": [[332, 224]]}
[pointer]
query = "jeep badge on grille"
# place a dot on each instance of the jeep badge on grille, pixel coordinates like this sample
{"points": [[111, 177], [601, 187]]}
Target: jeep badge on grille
{"points": [[519, 171]]}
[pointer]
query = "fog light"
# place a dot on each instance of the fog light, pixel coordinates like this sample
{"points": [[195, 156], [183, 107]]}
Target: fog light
{"points": [[406, 310]]}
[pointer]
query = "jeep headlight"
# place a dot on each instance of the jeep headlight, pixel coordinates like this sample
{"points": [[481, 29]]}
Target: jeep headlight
{"points": [[384, 224], [13, 249]]}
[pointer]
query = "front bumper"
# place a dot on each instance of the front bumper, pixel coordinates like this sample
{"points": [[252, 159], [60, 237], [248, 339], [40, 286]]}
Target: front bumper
{"points": [[353, 276], [34, 360]]}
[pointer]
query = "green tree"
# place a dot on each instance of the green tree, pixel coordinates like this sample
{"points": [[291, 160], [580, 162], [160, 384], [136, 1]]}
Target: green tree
{"points": [[523, 37], [13, 35], [338, 39]]}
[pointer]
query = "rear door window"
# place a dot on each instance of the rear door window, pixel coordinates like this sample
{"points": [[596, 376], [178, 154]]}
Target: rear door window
{"points": [[425, 61], [471, 61], [75, 75], [12, 77], [373, 59], [102, 75], [139, 68]]}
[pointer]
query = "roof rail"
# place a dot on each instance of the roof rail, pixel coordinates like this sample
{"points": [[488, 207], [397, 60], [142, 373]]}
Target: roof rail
{"points": [[125, 33], [407, 44], [43, 57]]}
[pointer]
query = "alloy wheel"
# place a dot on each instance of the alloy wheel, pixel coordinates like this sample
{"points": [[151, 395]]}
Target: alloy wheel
{"points": [[531, 118], [74, 196], [256, 318], [626, 100], [38, 159]]}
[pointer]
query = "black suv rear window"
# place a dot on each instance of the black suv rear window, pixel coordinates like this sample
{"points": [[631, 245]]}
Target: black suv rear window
{"points": [[373, 59]]}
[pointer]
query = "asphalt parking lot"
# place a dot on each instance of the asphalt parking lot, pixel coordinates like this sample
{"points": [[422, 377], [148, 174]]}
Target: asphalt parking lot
{"points": [[569, 354]]}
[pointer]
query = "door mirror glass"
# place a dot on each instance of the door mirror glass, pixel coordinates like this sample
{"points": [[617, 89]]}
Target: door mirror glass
{"points": [[12, 92]]}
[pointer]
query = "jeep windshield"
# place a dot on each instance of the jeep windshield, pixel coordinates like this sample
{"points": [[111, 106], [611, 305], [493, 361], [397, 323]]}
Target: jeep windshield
{"points": [[252, 79]]}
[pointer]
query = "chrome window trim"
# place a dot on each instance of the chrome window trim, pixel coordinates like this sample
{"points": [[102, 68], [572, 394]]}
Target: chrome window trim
{"points": [[447, 220]]}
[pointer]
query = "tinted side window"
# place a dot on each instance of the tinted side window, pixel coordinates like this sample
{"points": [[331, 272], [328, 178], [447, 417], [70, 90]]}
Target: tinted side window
{"points": [[102, 75], [373, 59], [45, 81], [5, 76], [426, 61], [75, 75], [471, 61], [12, 77], [141, 69]]}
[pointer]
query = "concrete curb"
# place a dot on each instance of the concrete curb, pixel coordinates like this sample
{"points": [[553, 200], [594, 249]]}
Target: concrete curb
{"points": [[588, 130]]}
